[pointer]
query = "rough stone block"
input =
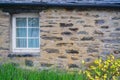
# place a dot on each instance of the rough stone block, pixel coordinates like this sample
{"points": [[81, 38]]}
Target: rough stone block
{"points": [[50, 50], [87, 39], [66, 33], [73, 66], [66, 24], [99, 22], [72, 51], [29, 63], [73, 29]]}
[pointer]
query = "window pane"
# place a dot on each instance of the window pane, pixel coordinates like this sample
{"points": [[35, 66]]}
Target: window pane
{"points": [[33, 22], [33, 32], [21, 22], [33, 43], [21, 43], [21, 32]]}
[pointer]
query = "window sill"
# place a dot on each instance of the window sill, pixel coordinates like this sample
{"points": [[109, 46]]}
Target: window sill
{"points": [[11, 55]]}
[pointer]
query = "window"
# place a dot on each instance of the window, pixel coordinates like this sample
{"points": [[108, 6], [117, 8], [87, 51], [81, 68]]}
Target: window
{"points": [[26, 33]]}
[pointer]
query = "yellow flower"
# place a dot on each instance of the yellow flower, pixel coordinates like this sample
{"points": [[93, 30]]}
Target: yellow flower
{"points": [[83, 62]]}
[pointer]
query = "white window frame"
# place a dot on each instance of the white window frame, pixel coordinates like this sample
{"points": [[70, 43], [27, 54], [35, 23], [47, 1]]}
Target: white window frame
{"points": [[14, 48]]}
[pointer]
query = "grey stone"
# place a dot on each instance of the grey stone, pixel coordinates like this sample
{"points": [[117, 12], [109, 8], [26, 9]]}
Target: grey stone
{"points": [[91, 50], [87, 39], [105, 27], [117, 29], [46, 26], [74, 58], [29, 63], [115, 35], [87, 26], [64, 44], [88, 59], [64, 57], [73, 29], [73, 66], [116, 51], [66, 24], [49, 50], [99, 22], [82, 32], [2, 48], [52, 38], [74, 39], [106, 52], [98, 32], [66, 33], [115, 40], [116, 18], [72, 51], [22, 55], [46, 65]]}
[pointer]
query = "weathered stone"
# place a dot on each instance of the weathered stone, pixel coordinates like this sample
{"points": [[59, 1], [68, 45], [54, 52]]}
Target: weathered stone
{"points": [[91, 50], [73, 17], [73, 29], [66, 24], [64, 44], [15, 64], [87, 39], [52, 17], [80, 21], [66, 33], [83, 32], [64, 17], [74, 38], [116, 51], [87, 26], [29, 63], [2, 48], [115, 35], [105, 52], [23, 55], [98, 32], [49, 50], [73, 66], [46, 64], [117, 40], [74, 58], [64, 57], [87, 59], [72, 51], [105, 27], [52, 38], [99, 22], [117, 29], [46, 26], [116, 18], [44, 31]]}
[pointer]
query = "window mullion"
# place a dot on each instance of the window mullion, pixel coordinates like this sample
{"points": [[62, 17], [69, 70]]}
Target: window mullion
{"points": [[27, 32]]}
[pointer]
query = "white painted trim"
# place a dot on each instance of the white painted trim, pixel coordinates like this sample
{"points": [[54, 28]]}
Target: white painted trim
{"points": [[14, 49]]}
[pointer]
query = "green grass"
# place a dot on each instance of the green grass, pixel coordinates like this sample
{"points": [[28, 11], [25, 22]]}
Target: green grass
{"points": [[10, 72]]}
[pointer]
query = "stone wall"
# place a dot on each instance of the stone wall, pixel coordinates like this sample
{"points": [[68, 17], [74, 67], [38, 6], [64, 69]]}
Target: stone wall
{"points": [[4, 34], [69, 36]]}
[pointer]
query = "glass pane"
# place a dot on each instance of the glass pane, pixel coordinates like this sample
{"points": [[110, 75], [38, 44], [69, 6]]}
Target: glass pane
{"points": [[33, 22], [21, 32], [33, 32], [21, 22], [21, 43], [33, 43]]}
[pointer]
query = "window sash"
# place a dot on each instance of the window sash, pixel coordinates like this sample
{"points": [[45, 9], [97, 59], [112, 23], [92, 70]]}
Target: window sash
{"points": [[29, 49]]}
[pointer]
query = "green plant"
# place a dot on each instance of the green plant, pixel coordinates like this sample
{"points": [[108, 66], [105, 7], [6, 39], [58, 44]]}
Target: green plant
{"points": [[10, 72], [108, 69]]}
